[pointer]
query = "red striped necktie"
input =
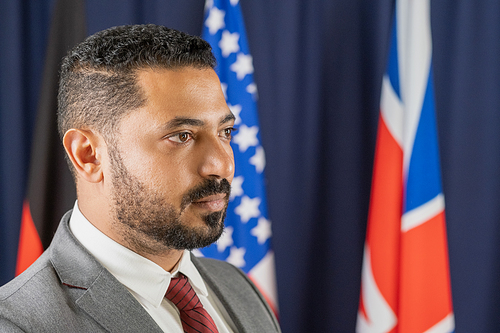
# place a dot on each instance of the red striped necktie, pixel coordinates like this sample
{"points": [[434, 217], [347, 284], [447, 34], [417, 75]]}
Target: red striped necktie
{"points": [[193, 316]]}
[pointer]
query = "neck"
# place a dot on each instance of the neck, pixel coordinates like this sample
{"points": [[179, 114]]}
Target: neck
{"points": [[169, 262]]}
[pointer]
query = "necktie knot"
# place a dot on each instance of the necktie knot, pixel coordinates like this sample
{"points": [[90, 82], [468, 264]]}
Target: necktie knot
{"points": [[194, 317], [181, 293]]}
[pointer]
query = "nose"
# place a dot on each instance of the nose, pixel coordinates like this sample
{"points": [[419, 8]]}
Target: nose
{"points": [[217, 159]]}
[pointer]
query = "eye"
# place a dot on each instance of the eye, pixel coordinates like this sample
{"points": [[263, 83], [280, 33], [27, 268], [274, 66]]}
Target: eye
{"points": [[182, 137], [227, 133]]}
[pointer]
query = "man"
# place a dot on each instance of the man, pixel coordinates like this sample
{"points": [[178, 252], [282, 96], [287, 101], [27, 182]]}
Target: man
{"points": [[147, 133]]}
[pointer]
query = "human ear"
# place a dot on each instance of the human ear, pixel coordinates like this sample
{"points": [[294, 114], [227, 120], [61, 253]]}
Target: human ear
{"points": [[82, 147]]}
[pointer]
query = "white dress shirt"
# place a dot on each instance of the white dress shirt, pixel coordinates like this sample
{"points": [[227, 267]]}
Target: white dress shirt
{"points": [[145, 280]]}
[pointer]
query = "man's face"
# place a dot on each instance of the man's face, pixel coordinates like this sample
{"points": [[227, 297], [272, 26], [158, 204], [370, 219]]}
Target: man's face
{"points": [[172, 164]]}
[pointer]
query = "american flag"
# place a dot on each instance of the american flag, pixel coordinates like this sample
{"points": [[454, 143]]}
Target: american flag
{"points": [[405, 277], [246, 242]]}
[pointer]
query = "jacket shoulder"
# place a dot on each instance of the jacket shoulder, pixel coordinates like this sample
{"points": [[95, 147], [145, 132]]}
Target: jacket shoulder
{"points": [[38, 301], [40, 285], [26, 282]]}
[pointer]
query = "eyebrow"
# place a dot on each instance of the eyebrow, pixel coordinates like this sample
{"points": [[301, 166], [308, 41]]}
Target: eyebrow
{"points": [[227, 118], [182, 121]]}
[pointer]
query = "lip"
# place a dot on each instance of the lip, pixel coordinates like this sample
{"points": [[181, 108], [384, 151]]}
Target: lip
{"points": [[215, 202]]}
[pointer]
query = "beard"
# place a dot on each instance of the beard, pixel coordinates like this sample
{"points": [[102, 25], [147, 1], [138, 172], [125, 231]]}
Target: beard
{"points": [[150, 224]]}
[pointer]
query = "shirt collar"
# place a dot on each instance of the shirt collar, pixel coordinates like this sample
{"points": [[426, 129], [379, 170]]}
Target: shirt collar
{"points": [[140, 275]]}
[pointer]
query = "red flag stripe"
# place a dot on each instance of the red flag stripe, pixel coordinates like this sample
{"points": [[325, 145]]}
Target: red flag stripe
{"points": [[30, 245]]}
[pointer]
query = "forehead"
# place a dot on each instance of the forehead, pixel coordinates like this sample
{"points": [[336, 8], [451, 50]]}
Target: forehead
{"points": [[182, 92]]}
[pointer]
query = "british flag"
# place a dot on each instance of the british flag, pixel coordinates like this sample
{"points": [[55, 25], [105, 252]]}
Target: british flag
{"points": [[405, 276], [246, 242]]}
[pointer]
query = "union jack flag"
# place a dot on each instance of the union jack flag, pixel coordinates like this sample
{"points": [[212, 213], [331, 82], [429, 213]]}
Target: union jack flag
{"points": [[405, 276], [246, 242]]}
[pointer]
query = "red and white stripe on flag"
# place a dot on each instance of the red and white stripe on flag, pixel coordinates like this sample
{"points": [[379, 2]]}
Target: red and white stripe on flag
{"points": [[405, 284]]}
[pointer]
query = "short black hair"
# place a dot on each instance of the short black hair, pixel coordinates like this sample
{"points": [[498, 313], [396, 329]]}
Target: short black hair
{"points": [[98, 78]]}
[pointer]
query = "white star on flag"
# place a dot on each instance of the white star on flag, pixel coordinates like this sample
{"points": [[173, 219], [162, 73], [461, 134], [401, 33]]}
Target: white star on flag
{"points": [[262, 231], [235, 109], [226, 239], [236, 256], [252, 89], [242, 66], [234, 2], [248, 208], [229, 43], [259, 159], [215, 20], [236, 187], [246, 137]]}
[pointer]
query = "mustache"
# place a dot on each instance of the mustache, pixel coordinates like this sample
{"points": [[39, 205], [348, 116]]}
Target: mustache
{"points": [[206, 188]]}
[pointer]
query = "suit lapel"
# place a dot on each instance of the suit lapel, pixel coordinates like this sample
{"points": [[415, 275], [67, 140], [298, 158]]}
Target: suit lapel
{"points": [[222, 294], [94, 289], [112, 306], [223, 285], [238, 295]]}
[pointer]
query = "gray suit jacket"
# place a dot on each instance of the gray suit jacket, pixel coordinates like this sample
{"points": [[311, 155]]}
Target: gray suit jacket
{"points": [[68, 290]]}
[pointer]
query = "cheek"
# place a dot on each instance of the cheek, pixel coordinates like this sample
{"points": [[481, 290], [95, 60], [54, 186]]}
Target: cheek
{"points": [[169, 176], [160, 173]]}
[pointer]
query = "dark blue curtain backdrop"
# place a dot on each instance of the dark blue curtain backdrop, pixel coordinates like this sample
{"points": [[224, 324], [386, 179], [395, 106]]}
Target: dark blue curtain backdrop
{"points": [[318, 67]]}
